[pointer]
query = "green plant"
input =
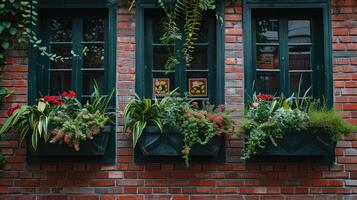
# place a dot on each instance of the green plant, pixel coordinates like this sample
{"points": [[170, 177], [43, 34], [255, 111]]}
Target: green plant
{"points": [[61, 119], [267, 119], [197, 125], [330, 120], [138, 114]]}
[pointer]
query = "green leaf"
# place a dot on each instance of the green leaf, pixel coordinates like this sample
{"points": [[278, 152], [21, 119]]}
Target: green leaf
{"points": [[13, 31], [34, 139], [41, 106], [138, 129], [5, 44], [7, 24], [2, 28]]}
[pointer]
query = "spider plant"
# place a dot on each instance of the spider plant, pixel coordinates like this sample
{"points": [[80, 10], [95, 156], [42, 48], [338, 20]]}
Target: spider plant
{"points": [[138, 114]]}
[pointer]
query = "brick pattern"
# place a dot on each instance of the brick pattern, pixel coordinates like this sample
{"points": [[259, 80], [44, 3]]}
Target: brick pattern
{"points": [[233, 180]]}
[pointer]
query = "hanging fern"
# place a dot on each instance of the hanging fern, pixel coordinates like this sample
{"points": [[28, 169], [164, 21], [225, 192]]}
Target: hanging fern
{"points": [[190, 11]]}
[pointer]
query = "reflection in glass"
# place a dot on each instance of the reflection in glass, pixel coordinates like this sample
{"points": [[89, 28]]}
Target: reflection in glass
{"points": [[267, 31], [200, 58], [93, 29], [295, 81], [62, 50], [267, 82], [94, 57], [161, 54], [299, 58], [60, 30], [203, 34], [60, 81], [89, 77], [299, 31], [267, 57]]}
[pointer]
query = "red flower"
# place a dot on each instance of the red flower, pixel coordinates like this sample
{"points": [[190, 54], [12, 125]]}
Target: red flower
{"points": [[71, 94], [194, 104], [64, 94], [265, 97], [53, 99], [11, 110]]}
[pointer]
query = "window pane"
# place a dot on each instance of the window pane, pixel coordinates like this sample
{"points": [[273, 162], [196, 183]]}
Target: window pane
{"points": [[161, 54], [158, 30], [295, 81], [64, 51], [93, 29], [267, 31], [197, 84], [267, 82], [94, 57], [60, 30], [267, 57], [299, 31], [200, 58], [163, 83], [299, 58], [89, 77], [203, 34], [60, 81]]}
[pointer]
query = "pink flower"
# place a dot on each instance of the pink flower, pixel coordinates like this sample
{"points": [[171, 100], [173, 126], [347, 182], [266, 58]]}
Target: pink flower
{"points": [[194, 104]]}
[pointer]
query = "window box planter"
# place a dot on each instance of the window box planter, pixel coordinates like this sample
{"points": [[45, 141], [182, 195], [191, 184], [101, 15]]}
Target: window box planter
{"points": [[154, 146], [100, 149], [309, 145]]}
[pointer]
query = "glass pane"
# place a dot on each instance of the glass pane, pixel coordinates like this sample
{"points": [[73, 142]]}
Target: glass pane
{"points": [[163, 83], [267, 31], [200, 58], [299, 58], [88, 81], [299, 31], [267, 82], [94, 57], [60, 81], [197, 84], [93, 29], [203, 34], [158, 30], [60, 30], [161, 54], [64, 51], [267, 57], [295, 81]]}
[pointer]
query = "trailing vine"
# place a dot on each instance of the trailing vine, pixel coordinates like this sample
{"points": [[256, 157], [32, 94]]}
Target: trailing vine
{"points": [[188, 11]]}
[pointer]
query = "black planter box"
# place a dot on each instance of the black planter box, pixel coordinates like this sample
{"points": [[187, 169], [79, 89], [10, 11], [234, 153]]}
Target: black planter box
{"points": [[154, 146], [101, 149], [314, 145]]}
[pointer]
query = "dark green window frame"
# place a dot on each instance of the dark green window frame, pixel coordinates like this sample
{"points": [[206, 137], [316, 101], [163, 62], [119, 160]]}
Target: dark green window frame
{"points": [[143, 84], [324, 85], [37, 63]]}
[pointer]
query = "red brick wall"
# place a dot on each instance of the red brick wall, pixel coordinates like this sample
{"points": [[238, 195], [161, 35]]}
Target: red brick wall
{"points": [[233, 180]]}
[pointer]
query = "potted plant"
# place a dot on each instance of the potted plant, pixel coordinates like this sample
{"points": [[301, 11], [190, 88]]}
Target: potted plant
{"points": [[176, 127], [62, 125], [291, 127]]}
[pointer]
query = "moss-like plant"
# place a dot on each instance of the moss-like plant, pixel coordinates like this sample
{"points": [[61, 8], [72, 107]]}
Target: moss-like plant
{"points": [[331, 120]]}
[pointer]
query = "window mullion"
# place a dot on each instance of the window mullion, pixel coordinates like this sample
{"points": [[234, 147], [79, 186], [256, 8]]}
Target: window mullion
{"points": [[77, 61], [284, 57]]}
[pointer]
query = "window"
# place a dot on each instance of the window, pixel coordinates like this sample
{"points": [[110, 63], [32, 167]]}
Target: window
{"points": [[198, 78], [63, 33], [288, 51]]}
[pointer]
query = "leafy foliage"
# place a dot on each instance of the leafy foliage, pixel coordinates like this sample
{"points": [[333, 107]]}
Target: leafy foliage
{"points": [[62, 119], [197, 125], [138, 114], [190, 11], [267, 119]]}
